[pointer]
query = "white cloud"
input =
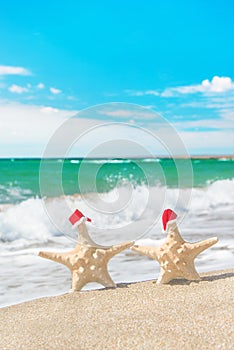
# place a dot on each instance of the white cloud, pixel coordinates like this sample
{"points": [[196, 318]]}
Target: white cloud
{"points": [[152, 92], [12, 70], [55, 91], [17, 89], [211, 142], [228, 114], [216, 85], [210, 103], [135, 112], [122, 113], [71, 98], [142, 93], [26, 129], [133, 93], [220, 124], [49, 110], [40, 86]]}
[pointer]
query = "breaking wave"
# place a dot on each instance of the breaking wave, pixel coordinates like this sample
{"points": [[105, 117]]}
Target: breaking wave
{"points": [[29, 221]]}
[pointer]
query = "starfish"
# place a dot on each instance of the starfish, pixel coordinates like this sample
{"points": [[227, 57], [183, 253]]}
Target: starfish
{"points": [[88, 261], [176, 257]]}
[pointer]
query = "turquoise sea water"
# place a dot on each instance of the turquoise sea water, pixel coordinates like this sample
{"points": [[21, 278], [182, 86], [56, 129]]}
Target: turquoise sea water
{"points": [[125, 198], [20, 178]]}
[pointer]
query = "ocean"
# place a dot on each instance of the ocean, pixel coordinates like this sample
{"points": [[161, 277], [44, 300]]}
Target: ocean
{"points": [[125, 198]]}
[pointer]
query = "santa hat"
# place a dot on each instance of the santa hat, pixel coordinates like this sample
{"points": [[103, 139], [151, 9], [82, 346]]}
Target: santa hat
{"points": [[77, 218], [168, 216]]}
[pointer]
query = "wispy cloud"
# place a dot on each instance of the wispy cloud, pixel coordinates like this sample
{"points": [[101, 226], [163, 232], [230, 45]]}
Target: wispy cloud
{"points": [[152, 92], [17, 89], [49, 110], [219, 109], [209, 104], [211, 142], [131, 113], [121, 113], [214, 86], [12, 70], [40, 86], [228, 114], [142, 93], [225, 123], [24, 127], [55, 91], [71, 98]]}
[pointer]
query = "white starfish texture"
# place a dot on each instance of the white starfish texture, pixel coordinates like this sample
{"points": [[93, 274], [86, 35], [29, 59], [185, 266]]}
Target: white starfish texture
{"points": [[88, 261], [175, 256]]}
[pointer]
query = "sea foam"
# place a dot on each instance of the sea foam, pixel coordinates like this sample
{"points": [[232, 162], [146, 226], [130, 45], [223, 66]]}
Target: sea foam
{"points": [[25, 228], [115, 210]]}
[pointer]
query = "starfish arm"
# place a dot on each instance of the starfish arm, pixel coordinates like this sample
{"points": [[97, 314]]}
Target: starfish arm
{"points": [[52, 256], [83, 235], [116, 249], [164, 277], [198, 247], [62, 258], [173, 232], [78, 281], [105, 279], [189, 272], [151, 252]]}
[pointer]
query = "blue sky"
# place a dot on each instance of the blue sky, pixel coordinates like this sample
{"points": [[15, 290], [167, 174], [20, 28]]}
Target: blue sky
{"points": [[174, 57]]}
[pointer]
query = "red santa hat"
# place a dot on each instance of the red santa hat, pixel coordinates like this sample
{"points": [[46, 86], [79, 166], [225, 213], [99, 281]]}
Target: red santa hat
{"points": [[77, 217], [168, 215]]}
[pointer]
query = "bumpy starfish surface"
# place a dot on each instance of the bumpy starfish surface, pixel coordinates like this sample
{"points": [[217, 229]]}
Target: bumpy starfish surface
{"points": [[87, 262], [176, 257]]}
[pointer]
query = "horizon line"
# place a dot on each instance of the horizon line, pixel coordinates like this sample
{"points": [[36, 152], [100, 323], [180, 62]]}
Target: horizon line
{"points": [[206, 156]]}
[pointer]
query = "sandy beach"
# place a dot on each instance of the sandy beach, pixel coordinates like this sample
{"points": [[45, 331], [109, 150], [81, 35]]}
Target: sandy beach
{"points": [[180, 315]]}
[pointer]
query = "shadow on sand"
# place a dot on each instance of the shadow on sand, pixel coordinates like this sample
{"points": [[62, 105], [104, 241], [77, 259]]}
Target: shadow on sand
{"points": [[210, 278]]}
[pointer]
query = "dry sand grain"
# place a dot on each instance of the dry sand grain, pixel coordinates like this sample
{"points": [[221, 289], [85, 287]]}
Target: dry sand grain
{"points": [[180, 315]]}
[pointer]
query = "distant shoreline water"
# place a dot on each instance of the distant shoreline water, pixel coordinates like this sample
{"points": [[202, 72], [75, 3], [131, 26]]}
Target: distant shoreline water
{"points": [[201, 156]]}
